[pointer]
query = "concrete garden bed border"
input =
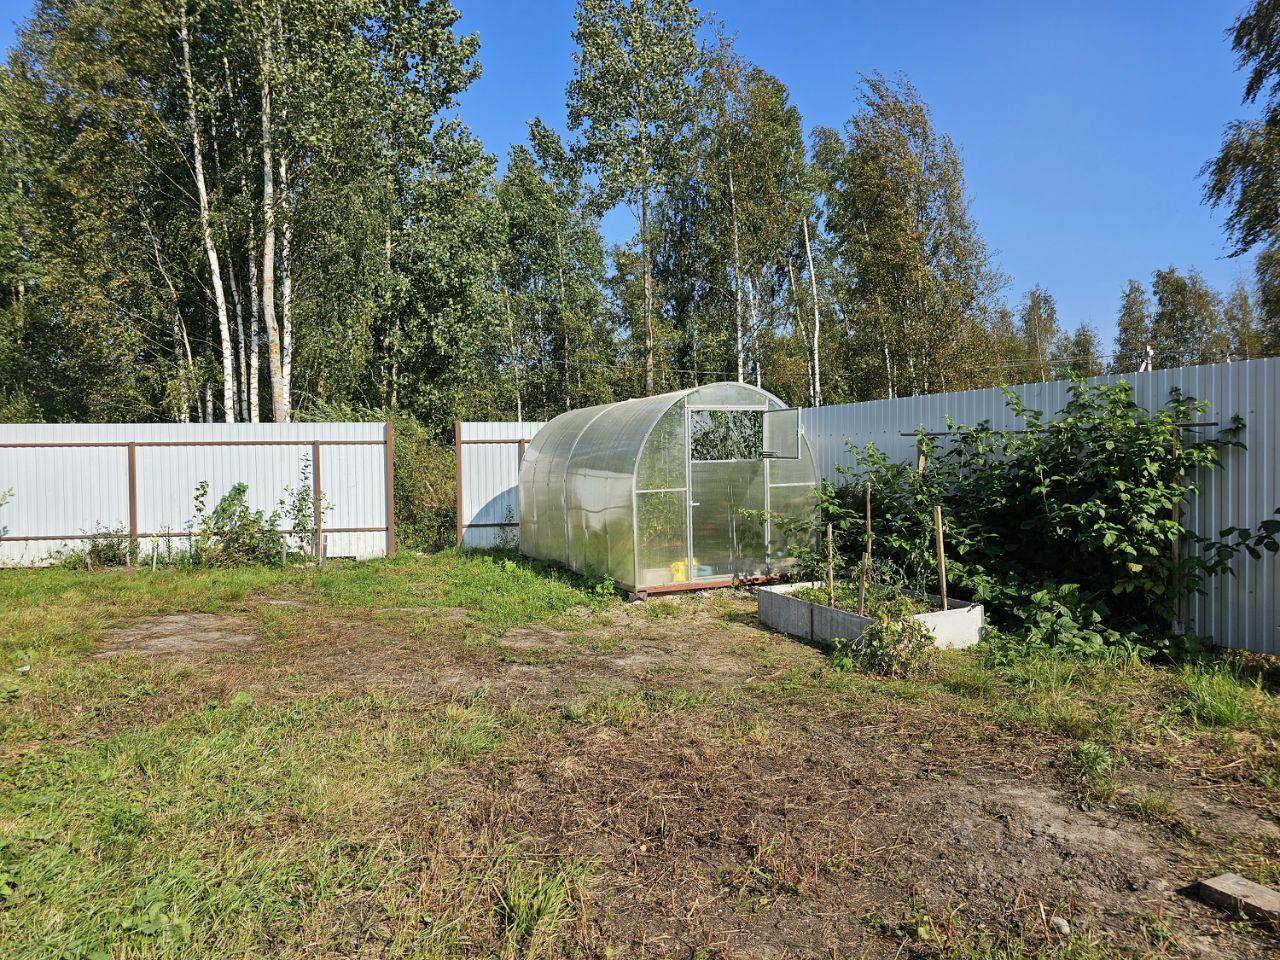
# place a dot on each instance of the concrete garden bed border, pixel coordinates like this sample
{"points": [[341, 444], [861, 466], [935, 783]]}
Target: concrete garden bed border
{"points": [[960, 626]]}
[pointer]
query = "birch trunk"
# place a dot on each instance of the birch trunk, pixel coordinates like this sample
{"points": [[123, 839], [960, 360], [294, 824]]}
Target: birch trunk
{"points": [[286, 292], [817, 318], [648, 294], [252, 349], [248, 348], [644, 253], [211, 250], [753, 329], [801, 328], [737, 278], [279, 404]]}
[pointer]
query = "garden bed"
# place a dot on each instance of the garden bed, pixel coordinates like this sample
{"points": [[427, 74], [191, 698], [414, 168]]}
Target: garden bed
{"points": [[780, 609]]}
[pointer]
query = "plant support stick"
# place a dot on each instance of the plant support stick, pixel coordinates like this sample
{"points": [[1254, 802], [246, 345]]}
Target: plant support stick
{"points": [[862, 587], [942, 559], [831, 568], [868, 550]]}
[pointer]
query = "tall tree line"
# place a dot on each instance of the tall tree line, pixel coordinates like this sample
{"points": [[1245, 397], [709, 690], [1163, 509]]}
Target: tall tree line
{"points": [[240, 211]]}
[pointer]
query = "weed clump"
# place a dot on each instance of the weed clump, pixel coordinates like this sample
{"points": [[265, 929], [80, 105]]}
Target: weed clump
{"points": [[894, 644], [1216, 695]]}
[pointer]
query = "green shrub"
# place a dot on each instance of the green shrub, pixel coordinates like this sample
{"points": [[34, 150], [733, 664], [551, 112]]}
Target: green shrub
{"points": [[103, 548], [423, 477], [231, 533], [1065, 531]]}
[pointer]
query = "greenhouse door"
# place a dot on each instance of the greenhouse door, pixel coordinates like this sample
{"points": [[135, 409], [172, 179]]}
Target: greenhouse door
{"points": [[726, 482]]}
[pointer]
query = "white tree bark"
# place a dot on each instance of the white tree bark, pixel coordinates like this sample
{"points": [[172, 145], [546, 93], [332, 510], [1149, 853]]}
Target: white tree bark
{"points": [[279, 402], [801, 328], [286, 291], [739, 346], [211, 250], [817, 318], [252, 348]]}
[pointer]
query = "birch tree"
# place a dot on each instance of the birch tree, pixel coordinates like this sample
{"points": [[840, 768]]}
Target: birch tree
{"points": [[631, 100], [206, 228]]}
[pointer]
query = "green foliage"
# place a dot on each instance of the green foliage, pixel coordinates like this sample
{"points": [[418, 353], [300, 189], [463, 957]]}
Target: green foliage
{"points": [[233, 533], [880, 595], [1066, 532], [102, 549], [423, 474], [894, 644]]}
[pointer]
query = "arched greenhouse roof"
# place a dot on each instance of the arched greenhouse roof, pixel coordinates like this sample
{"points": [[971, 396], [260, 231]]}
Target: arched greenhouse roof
{"points": [[613, 490]]}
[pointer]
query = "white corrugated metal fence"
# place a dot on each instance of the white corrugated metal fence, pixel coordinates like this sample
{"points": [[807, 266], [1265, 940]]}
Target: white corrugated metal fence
{"points": [[70, 481], [488, 472]]}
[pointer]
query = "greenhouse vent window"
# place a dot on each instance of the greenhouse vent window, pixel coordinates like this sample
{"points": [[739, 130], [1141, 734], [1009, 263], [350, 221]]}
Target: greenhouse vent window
{"points": [[671, 492]]}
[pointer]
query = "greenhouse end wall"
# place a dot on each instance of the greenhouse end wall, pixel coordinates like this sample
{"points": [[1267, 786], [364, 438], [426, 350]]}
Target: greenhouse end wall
{"points": [[666, 491]]}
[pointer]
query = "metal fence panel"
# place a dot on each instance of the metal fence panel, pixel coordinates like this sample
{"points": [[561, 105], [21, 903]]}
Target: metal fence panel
{"points": [[1241, 611], [72, 480], [488, 474]]}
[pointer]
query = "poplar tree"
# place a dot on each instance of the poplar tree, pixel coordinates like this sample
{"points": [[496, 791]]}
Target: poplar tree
{"points": [[1078, 354], [1186, 324], [1038, 331], [550, 276]]}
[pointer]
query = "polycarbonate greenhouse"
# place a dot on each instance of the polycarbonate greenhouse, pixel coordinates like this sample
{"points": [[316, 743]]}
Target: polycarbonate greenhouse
{"points": [[669, 492]]}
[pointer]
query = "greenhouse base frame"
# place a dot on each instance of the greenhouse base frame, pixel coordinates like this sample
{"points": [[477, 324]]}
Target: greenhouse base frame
{"points": [[716, 584]]}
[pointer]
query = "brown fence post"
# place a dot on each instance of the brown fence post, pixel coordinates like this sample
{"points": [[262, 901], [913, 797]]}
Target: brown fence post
{"points": [[317, 498], [133, 504], [389, 469]]}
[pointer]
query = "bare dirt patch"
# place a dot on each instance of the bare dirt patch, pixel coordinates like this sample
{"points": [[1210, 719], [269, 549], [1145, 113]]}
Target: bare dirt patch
{"points": [[430, 654], [178, 634], [848, 842]]}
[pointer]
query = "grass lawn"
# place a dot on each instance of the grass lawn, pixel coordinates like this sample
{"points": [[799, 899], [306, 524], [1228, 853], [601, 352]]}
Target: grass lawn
{"points": [[465, 755]]}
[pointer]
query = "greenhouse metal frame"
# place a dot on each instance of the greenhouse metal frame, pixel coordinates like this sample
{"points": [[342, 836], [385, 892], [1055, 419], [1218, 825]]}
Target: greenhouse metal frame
{"points": [[672, 492]]}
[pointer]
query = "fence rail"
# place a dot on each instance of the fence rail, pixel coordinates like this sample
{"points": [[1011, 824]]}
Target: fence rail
{"points": [[69, 484]]}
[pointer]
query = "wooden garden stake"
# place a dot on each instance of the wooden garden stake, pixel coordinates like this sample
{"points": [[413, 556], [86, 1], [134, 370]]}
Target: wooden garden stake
{"points": [[866, 560], [862, 587], [831, 567], [868, 551], [1177, 538], [920, 455], [942, 559]]}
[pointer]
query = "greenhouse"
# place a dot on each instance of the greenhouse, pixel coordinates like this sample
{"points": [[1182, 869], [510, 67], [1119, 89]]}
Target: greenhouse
{"points": [[676, 491]]}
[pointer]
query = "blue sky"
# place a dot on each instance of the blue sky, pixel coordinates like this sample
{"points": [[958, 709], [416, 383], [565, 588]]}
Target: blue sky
{"points": [[1083, 126]]}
